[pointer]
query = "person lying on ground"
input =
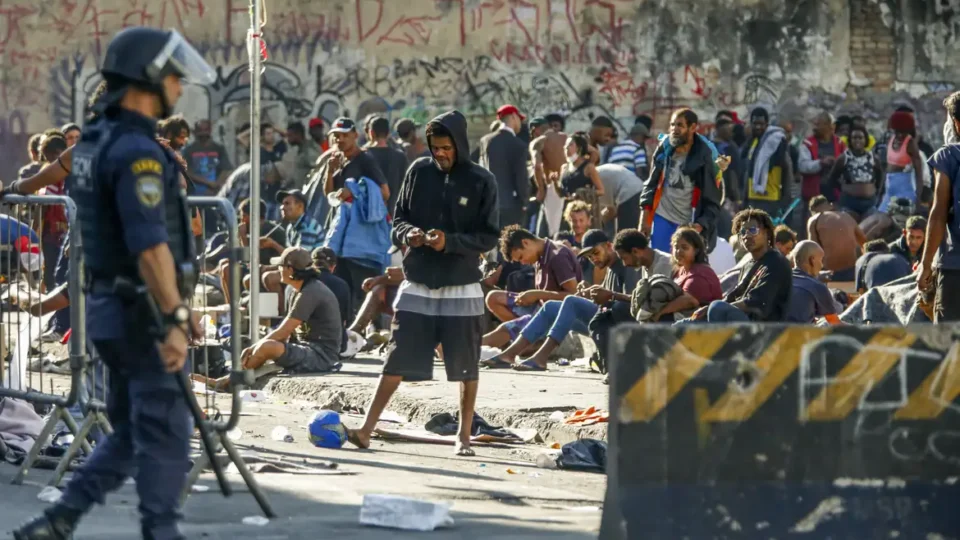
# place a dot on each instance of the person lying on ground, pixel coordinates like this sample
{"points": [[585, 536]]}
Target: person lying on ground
{"points": [[556, 275], [309, 338], [810, 299], [763, 292], [558, 318]]}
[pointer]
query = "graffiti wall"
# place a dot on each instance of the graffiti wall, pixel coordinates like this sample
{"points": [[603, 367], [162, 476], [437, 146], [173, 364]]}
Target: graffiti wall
{"points": [[417, 58]]}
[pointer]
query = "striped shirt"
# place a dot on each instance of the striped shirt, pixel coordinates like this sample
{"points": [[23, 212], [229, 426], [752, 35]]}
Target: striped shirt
{"points": [[452, 301], [305, 233], [630, 155]]}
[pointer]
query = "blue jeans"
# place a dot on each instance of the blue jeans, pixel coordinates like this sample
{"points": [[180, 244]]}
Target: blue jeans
{"points": [[94, 386], [719, 312], [661, 233], [556, 319]]}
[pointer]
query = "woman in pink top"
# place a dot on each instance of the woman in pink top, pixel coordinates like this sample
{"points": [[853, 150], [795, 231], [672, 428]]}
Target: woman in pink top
{"points": [[903, 154], [691, 271]]}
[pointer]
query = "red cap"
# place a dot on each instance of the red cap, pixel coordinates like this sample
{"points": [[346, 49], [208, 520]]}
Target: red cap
{"points": [[315, 123], [510, 109]]}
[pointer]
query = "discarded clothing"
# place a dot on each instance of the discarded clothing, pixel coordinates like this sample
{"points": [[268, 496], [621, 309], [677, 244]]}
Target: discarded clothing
{"points": [[449, 424], [893, 303], [20, 425], [588, 455]]}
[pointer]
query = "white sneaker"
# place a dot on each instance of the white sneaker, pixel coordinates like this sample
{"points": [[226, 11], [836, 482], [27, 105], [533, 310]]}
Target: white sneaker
{"points": [[355, 342]]}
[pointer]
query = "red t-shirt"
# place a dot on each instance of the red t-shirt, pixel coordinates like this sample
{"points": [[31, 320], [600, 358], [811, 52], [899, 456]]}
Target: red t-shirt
{"points": [[54, 215], [700, 282]]}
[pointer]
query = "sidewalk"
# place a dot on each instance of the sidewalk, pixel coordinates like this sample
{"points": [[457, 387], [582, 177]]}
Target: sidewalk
{"points": [[506, 398]]}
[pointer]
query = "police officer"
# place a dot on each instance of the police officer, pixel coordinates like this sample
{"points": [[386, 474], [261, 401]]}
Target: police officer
{"points": [[138, 254]]}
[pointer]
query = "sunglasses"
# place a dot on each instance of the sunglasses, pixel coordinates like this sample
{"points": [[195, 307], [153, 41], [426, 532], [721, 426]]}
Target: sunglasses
{"points": [[749, 231]]}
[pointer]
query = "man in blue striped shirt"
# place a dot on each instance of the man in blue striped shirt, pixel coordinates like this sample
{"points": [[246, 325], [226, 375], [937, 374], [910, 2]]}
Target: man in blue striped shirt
{"points": [[632, 153], [302, 230]]}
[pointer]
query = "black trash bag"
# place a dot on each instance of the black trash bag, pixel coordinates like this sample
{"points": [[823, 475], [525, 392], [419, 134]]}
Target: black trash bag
{"points": [[588, 455], [449, 424]]}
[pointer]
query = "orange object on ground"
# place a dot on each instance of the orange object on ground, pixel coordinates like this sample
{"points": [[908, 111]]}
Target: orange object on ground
{"points": [[588, 417]]}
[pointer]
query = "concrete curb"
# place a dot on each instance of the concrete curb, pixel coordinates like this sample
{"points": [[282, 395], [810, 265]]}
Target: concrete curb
{"points": [[335, 394]]}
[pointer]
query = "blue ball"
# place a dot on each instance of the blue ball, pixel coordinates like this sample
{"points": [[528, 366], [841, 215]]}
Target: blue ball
{"points": [[326, 430]]}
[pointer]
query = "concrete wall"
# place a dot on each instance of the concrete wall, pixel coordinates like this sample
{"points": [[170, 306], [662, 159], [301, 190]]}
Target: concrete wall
{"points": [[420, 57]]}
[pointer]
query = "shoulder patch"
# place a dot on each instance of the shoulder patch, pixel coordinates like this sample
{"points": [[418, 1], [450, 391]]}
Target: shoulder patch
{"points": [[149, 190], [146, 166]]}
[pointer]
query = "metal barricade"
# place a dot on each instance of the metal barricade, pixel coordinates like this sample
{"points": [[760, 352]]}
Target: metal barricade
{"points": [[205, 359], [22, 264]]}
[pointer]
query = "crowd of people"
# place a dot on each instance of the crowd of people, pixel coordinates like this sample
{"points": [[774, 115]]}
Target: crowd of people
{"points": [[399, 235]]}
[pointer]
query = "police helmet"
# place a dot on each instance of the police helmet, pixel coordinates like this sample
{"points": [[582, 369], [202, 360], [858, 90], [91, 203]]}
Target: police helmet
{"points": [[144, 56]]}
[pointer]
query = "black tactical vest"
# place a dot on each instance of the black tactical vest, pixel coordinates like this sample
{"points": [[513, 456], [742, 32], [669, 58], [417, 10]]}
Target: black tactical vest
{"points": [[91, 184]]}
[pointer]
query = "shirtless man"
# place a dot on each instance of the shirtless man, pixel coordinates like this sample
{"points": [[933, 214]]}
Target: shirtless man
{"points": [[839, 236], [547, 152]]}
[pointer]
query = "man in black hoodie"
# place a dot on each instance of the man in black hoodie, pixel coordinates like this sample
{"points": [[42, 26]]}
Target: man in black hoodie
{"points": [[447, 216]]}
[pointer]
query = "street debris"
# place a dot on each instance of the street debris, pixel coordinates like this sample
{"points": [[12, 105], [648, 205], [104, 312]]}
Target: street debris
{"points": [[281, 434], [557, 416], [588, 417], [254, 396], [403, 513], [258, 521], [511, 471], [234, 434], [198, 488], [49, 494]]}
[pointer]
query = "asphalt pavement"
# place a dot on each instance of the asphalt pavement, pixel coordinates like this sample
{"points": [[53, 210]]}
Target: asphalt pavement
{"points": [[500, 493]]}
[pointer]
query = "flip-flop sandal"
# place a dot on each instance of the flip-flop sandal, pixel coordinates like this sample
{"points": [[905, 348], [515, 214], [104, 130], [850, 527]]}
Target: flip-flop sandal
{"points": [[528, 365], [495, 362], [464, 452]]}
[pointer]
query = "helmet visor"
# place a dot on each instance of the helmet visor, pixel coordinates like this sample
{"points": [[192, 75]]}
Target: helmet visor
{"points": [[181, 58]]}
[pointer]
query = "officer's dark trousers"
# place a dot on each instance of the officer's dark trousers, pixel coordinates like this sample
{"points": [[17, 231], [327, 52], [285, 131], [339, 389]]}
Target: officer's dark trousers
{"points": [[152, 427]]}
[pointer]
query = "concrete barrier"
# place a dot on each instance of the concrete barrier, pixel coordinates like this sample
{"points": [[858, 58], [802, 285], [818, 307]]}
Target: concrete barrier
{"points": [[776, 431]]}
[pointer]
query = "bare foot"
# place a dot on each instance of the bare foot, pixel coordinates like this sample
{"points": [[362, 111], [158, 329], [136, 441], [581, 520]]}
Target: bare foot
{"points": [[463, 449], [358, 438]]}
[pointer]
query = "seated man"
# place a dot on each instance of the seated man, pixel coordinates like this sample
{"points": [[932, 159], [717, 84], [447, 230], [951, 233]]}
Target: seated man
{"points": [[558, 318], [556, 275], [325, 262], [271, 239], [381, 292], [309, 338], [910, 245], [810, 299], [839, 236], [763, 292], [878, 266], [785, 239], [302, 231]]}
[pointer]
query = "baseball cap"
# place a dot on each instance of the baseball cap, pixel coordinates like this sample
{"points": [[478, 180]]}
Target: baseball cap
{"points": [[294, 257], [639, 130], [592, 239], [538, 121], [315, 123], [296, 193], [510, 109], [404, 127], [324, 257], [343, 125]]}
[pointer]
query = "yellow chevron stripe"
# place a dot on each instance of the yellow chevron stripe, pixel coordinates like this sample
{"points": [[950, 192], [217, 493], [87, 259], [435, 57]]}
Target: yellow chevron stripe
{"points": [[777, 362], [938, 390], [866, 368], [671, 373]]}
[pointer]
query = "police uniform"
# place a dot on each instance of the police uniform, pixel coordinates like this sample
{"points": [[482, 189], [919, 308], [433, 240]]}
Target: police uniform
{"points": [[129, 199]]}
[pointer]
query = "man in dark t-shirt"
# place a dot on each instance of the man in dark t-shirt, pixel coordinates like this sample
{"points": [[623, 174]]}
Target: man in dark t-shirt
{"points": [[878, 266], [351, 161], [392, 162], [309, 338], [325, 261]]}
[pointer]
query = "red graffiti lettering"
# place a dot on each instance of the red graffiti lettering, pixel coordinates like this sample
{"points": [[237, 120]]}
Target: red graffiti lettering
{"points": [[363, 34], [620, 87], [692, 76], [10, 31], [614, 27], [532, 34], [556, 54], [234, 10], [410, 31]]}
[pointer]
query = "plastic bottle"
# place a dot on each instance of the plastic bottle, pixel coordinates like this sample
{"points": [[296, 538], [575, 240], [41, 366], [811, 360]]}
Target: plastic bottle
{"points": [[209, 327]]}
